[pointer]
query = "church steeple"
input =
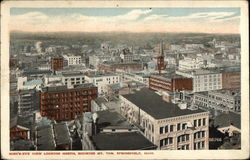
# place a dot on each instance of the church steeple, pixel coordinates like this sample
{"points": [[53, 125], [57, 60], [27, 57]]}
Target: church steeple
{"points": [[160, 58]]}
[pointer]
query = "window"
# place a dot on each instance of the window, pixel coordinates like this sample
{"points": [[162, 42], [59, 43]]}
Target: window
{"points": [[202, 144], [184, 125], [195, 123], [199, 122], [166, 129], [200, 134], [171, 128], [166, 141], [204, 121], [161, 143], [178, 126], [183, 138], [161, 130]]}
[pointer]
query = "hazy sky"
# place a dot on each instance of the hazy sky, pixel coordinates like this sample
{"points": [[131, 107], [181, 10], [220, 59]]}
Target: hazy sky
{"points": [[202, 20]]}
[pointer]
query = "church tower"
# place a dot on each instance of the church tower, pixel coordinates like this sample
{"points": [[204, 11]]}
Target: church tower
{"points": [[160, 59]]}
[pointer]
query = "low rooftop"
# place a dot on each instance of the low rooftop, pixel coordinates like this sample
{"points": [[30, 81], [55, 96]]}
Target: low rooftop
{"points": [[112, 119], [153, 104], [33, 82], [122, 141], [62, 135], [227, 119], [96, 74], [45, 139], [100, 100], [32, 72], [71, 74]]}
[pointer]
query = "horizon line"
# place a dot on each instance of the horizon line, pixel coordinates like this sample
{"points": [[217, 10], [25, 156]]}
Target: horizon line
{"points": [[11, 31]]}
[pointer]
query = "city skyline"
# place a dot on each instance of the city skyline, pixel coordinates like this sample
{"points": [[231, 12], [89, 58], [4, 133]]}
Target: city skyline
{"points": [[196, 20]]}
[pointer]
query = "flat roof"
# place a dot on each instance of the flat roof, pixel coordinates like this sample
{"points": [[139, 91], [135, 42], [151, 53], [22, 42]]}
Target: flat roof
{"points": [[100, 74], [100, 100], [45, 140], [200, 71], [65, 88], [122, 141], [33, 82], [168, 75], [153, 104], [121, 64], [227, 119], [30, 72], [65, 74], [112, 119], [228, 69], [61, 134]]}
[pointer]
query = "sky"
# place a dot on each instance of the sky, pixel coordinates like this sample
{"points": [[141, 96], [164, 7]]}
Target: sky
{"points": [[195, 20]]}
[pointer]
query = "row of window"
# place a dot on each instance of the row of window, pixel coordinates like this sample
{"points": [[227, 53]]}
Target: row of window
{"points": [[166, 141], [183, 138], [199, 122], [166, 129], [200, 134], [199, 145], [73, 79], [64, 105], [207, 84], [184, 147], [67, 94], [181, 126]]}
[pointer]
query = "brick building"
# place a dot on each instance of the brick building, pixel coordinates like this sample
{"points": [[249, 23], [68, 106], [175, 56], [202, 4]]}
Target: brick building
{"points": [[57, 63], [20, 128], [61, 103], [231, 78], [170, 82], [19, 132]]}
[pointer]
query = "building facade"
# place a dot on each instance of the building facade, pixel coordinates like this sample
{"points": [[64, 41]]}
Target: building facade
{"points": [[223, 100], [19, 132], [170, 83], [73, 60], [203, 80], [111, 67], [95, 60], [61, 103], [73, 78], [57, 63], [165, 124], [190, 63], [231, 78], [133, 76], [101, 80], [126, 56], [28, 101]]}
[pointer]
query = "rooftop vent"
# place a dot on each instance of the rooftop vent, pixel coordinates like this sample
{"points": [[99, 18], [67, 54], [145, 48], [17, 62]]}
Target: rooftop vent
{"points": [[182, 105]]}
